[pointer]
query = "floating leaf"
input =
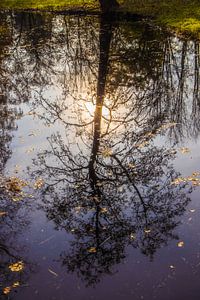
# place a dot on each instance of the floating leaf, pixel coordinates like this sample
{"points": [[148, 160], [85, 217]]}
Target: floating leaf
{"points": [[30, 150], [16, 284], [15, 184], [107, 152], [180, 244], [7, 290], [178, 181], [16, 199], [195, 174], [190, 179], [92, 250], [104, 210], [185, 150], [3, 213], [132, 166], [38, 183], [17, 267]]}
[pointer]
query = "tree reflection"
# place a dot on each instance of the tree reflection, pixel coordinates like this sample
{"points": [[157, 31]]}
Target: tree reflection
{"points": [[109, 181], [115, 89], [13, 216]]}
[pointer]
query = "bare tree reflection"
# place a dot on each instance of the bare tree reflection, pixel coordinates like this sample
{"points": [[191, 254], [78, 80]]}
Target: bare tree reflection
{"points": [[115, 89], [110, 184], [13, 215]]}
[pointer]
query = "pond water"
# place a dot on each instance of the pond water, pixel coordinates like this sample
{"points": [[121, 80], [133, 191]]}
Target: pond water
{"points": [[100, 161]]}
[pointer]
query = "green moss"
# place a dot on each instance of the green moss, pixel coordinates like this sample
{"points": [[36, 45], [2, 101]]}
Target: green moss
{"points": [[49, 4], [181, 15]]}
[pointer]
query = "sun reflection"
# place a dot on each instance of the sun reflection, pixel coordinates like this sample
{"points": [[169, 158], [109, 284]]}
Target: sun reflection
{"points": [[90, 107]]}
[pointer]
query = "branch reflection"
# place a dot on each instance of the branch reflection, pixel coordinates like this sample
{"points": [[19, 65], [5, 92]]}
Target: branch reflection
{"points": [[109, 177]]}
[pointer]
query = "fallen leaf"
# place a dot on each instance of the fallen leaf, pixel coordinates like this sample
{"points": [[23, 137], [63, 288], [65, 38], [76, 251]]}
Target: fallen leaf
{"points": [[38, 183], [16, 284], [15, 184], [132, 166], [7, 290], [195, 174], [30, 150], [180, 244], [107, 152], [16, 267], [104, 210], [3, 213], [185, 150], [92, 250]]}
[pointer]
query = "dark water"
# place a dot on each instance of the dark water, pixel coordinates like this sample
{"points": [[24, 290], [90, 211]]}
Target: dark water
{"points": [[100, 162]]}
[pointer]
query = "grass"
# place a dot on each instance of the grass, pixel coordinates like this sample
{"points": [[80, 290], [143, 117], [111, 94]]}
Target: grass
{"points": [[49, 4], [180, 15]]}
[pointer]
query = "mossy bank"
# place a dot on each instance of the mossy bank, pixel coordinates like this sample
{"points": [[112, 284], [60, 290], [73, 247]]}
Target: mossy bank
{"points": [[180, 15]]}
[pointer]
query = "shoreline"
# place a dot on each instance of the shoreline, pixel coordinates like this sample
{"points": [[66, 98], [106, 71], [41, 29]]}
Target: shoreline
{"points": [[182, 17]]}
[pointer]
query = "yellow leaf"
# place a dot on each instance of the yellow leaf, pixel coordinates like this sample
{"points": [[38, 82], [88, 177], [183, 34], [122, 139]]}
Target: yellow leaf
{"points": [[7, 290], [15, 184], [38, 183], [104, 210], [178, 181], [17, 267], [92, 250], [195, 174], [132, 166], [107, 152], [16, 284], [147, 230], [185, 150]]}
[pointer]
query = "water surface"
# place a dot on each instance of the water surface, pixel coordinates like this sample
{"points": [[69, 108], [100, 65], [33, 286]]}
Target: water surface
{"points": [[100, 174]]}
